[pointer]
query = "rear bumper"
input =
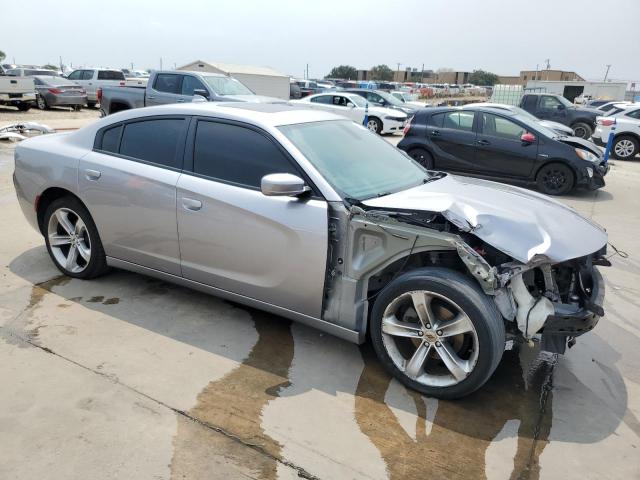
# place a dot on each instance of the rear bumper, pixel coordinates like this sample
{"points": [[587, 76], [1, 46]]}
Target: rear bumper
{"points": [[13, 98], [571, 320], [66, 100]]}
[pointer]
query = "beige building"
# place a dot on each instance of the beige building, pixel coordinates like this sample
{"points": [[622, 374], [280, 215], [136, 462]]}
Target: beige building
{"points": [[509, 80], [549, 75]]}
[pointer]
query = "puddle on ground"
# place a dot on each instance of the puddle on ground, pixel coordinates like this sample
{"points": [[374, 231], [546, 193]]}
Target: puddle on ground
{"points": [[462, 430], [234, 404]]}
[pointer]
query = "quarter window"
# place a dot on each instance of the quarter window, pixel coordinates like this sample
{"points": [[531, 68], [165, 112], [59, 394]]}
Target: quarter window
{"points": [[236, 154], [322, 99], [167, 83], [634, 114], [154, 141], [111, 139]]}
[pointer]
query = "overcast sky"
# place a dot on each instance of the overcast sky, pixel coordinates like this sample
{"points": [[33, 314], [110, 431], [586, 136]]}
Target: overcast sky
{"points": [[500, 36]]}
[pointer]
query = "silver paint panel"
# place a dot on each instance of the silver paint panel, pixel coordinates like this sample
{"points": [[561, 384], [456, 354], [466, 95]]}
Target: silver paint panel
{"points": [[269, 248], [133, 205]]}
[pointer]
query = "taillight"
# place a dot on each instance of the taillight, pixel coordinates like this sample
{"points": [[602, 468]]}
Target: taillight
{"points": [[122, 84], [606, 122], [99, 94], [54, 90], [407, 127]]}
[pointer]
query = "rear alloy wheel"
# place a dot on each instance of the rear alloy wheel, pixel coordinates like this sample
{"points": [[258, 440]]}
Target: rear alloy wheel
{"points": [[437, 332], [555, 179], [421, 156], [72, 239], [625, 147], [41, 103], [582, 130], [374, 124]]}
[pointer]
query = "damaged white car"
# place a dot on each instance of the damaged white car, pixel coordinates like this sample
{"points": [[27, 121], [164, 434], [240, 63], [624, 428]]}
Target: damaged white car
{"points": [[312, 217]]}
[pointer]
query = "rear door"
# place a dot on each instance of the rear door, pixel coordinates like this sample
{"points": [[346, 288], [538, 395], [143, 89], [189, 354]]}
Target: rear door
{"points": [[500, 151], [453, 138], [166, 88], [128, 183], [233, 237]]}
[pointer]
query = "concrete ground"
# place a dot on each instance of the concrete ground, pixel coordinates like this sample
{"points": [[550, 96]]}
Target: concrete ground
{"points": [[130, 377]]}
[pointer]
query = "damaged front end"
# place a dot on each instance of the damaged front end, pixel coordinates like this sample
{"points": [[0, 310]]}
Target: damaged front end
{"points": [[544, 288]]}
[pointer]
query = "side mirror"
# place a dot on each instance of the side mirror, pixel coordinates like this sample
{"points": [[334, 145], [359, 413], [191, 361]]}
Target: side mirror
{"points": [[351, 105], [201, 92], [282, 185], [528, 138], [560, 107]]}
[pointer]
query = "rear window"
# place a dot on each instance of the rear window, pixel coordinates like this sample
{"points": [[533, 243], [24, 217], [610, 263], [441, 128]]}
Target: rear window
{"points": [[110, 75]]}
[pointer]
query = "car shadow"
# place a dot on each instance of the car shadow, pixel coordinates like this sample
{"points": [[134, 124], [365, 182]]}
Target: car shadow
{"points": [[522, 388]]}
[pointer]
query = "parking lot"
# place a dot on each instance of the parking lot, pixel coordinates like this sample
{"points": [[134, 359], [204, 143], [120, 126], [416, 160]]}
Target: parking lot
{"points": [[130, 377]]}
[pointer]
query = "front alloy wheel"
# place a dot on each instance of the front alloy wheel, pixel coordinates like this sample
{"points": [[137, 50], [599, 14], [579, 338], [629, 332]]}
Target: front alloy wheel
{"points": [[625, 148]]}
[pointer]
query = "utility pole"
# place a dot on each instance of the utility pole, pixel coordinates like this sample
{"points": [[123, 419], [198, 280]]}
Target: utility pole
{"points": [[61, 64], [131, 66], [548, 67], [422, 74], [606, 73], [307, 71], [537, 68], [160, 63]]}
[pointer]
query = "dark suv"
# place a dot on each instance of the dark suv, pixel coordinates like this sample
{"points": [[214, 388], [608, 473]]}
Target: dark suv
{"points": [[547, 106], [502, 145]]}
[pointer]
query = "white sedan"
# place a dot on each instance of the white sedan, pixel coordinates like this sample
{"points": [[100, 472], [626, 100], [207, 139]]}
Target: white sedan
{"points": [[381, 120]]}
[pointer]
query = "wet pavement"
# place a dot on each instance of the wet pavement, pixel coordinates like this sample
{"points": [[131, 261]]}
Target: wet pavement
{"points": [[130, 377]]}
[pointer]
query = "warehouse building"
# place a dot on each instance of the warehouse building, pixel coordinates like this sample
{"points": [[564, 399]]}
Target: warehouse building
{"points": [[261, 80]]}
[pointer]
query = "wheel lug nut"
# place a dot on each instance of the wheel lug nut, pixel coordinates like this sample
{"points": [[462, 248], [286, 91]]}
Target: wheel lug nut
{"points": [[420, 334], [428, 325], [438, 344], [439, 332]]}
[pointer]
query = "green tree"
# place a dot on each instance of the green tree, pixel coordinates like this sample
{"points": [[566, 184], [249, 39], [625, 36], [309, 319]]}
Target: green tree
{"points": [[480, 77], [381, 72], [2, 55], [346, 72], [48, 66]]}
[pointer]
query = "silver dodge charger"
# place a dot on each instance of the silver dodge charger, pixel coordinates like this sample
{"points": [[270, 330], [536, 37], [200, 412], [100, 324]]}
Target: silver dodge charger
{"points": [[312, 217]]}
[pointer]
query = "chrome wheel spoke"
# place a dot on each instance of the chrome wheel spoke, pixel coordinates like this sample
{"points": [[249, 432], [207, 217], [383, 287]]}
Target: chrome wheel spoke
{"points": [[416, 364], [422, 305], [80, 227], [460, 324], [459, 368], [57, 240], [63, 219], [84, 251], [394, 327], [72, 258]]}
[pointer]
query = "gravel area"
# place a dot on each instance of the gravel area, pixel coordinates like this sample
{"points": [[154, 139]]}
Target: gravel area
{"points": [[10, 115]]}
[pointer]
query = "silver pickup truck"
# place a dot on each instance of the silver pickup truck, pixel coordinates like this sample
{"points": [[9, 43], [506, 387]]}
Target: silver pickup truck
{"points": [[18, 92], [174, 86]]}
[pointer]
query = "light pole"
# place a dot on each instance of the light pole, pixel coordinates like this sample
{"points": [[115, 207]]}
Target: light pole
{"points": [[606, 73]]}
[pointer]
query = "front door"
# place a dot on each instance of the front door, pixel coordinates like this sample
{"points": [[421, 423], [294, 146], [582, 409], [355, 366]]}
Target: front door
{"points": [[166, 88], [550, 108], [500, 150], [232, 237], [453, 139], [129, 186]]}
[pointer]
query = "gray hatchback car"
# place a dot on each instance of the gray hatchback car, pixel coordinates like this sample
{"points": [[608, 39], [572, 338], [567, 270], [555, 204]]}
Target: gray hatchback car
{"points": [[312, 217]]}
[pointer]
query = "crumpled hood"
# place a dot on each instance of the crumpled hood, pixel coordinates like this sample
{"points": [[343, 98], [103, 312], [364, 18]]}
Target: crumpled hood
{"points": [[516, 221], [253, 99], [582, 143]]}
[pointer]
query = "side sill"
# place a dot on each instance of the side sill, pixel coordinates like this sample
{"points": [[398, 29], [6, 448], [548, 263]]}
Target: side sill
{"points": [[330, 328]]}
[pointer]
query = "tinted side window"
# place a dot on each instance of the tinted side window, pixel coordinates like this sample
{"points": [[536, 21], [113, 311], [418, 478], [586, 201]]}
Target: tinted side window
{"points": [[549, 103], [500, 127], [153, 140], [459, 120], [322, 99], [236, 154], [111, 139], [634, 114], [189, 84], [75, 75], [436, 120], [167, 83], [87, 74], [110, 75], [530, 102]]}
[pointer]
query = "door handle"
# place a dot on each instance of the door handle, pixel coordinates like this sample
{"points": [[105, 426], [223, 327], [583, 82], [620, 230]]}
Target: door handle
{"points": [[180, 100], [483, 142], [92, 175], [191, 204], [435, 133], [150, 97]]}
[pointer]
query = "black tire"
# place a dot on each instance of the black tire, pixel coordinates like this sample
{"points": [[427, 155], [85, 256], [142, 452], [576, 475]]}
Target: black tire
{"points": [[479, 308], [91, 104], [23, 107], [77, 108], [41, 103], [627, 147], [582, 130], [97, 264], [422, 156], [375, 125], [555, 179]]}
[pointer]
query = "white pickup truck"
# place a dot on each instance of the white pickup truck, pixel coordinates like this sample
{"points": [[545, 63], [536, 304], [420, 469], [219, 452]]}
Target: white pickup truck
{"points": [[18, 92], [93, 78]]}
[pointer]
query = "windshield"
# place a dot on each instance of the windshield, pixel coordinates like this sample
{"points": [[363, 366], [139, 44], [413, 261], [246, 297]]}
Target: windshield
{"points": [[357, 163], [534, 124], [564, 101], [390, 98], [227, 86]]}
